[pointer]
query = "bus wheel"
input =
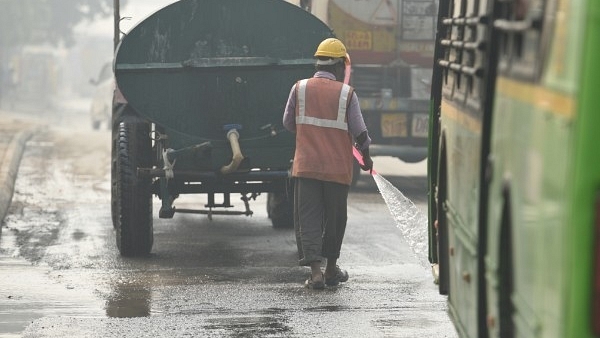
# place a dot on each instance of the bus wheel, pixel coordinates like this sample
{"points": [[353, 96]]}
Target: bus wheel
{"points": [[442, 234], [505, 275], [134, 195]]}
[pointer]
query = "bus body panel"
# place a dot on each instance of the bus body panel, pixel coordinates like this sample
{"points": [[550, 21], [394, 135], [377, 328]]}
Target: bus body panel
{"points": [[461, 130], [530, 148], [540, 176], [585, 185], [463, 113], [533, 150]]}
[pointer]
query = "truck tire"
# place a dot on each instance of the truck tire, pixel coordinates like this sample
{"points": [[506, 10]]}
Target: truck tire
{"points": [[118, 113], [280, 208], [114, 195], [134, 195], [412, 158]]}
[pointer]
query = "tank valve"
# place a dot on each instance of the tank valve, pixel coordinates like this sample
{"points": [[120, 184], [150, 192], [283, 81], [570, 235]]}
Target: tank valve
{"points": [[168, 167], [233, 136]]}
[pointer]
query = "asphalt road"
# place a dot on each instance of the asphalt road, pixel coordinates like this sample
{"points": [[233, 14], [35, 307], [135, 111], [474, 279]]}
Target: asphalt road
{"points": [[232, 276]]}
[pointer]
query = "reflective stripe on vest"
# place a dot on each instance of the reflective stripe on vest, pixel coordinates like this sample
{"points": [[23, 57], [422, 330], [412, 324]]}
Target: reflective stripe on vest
{"points": [[340, 123]]}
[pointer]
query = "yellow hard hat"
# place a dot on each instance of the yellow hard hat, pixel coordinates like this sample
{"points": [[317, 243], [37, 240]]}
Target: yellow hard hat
{"points": [[332, 48]]}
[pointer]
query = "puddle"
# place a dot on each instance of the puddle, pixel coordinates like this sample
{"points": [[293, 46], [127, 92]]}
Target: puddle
{"points": [[248, 326], [29, 293]]}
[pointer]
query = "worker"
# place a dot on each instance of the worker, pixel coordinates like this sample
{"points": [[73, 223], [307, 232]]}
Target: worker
{"points": [[325, 115]]}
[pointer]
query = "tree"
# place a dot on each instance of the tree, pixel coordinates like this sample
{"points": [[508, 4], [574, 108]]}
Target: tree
{"points": [[41, 22], [46, 21]]}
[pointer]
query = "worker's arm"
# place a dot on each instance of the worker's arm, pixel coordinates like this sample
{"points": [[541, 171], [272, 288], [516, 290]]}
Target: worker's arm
{"points": [[364, 151], [289, 115], [356, 124], [358, 129]]}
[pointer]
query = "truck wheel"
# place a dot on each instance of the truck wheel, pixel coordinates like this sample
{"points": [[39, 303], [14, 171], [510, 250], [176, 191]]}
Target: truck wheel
{"points": [[280, 208], [134, 195], [118, 114], [114, 194], [412, 159]]}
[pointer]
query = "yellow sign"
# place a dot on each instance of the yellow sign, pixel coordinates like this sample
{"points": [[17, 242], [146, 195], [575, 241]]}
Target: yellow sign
{"points": [[394, 125], [358, 40]]}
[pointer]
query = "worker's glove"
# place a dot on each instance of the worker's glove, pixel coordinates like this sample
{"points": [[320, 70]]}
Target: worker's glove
{"points": [[367, 161]]}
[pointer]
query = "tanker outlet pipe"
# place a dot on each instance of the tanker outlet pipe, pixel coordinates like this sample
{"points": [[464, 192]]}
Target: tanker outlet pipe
{"points": [[233, 136]]}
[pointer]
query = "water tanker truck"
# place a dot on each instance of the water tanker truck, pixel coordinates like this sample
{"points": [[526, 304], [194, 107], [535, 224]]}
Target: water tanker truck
{"points": [[204, 84]]}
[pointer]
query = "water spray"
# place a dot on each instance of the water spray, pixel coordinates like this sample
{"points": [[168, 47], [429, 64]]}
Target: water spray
{"points": [[408, 218]]}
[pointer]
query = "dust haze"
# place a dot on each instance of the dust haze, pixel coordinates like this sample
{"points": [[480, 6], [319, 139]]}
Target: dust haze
{"points": [[58, 80]]}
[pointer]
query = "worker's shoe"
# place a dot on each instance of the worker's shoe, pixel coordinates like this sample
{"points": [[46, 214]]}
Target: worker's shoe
{"points": [[340, 276], [316, 283]]}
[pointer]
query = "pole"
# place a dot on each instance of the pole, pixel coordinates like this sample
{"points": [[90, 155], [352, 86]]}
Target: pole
{"points": [[117, 19]]}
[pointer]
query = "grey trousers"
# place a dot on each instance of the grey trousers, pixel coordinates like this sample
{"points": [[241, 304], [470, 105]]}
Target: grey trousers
{"points": [[320, 215]]}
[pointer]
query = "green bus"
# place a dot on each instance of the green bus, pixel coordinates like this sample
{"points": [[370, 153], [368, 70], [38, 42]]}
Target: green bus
{"points": [[514, 167]]}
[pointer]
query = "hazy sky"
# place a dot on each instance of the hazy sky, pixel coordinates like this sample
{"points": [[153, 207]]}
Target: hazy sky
{"points": [[95, 41], [137, 10]]}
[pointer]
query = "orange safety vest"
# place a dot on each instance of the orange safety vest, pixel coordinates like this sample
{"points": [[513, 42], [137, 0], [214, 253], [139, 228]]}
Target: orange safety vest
{"points": [[323, 142]]}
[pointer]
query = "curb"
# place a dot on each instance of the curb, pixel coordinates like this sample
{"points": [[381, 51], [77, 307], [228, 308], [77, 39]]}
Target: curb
{"points": [[9, 168]]}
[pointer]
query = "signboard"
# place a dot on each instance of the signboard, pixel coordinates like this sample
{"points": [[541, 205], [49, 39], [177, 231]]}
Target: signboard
{"points": [[420, 125], [394, 125], [358, 40], [418, 20], [371, 12]]}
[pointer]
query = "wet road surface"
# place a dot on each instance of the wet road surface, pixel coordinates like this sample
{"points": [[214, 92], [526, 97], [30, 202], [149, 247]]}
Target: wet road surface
{"points": [[234, 276]]}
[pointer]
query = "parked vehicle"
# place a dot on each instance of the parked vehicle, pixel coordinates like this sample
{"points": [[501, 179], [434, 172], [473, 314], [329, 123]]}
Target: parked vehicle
{"points": [[391, 45], [206, 84], [35, 77]]}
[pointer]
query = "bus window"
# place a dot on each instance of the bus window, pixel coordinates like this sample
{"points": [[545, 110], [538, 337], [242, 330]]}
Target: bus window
{"points": [[520, 26]]}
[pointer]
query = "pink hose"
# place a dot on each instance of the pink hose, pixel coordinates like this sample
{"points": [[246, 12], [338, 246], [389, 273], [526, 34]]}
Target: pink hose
{"points": [[355, 152], [358, 157], [348, 69]]}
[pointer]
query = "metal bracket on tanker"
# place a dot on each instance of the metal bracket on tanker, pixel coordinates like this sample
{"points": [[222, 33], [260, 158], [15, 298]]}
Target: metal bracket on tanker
{"points": [[271, 127], [169, 157]]}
